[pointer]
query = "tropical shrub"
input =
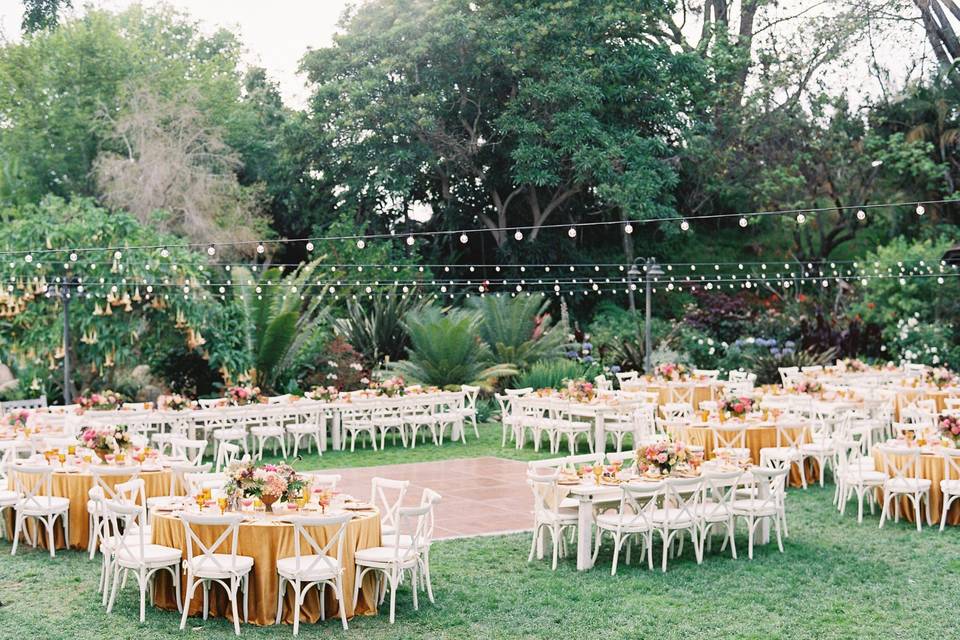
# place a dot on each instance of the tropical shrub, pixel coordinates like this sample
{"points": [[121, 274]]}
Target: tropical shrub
{"points": [[337, 365], [551, 374], [445, 350], [374, 326], [518, 330]]}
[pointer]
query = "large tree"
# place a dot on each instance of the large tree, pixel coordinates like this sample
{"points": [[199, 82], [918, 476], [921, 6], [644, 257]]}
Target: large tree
{"points": [[500, 114]]}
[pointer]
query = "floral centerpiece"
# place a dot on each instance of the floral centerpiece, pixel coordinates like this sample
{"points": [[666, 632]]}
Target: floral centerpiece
{"points": [[174, 402], [809, 386], [737, 406], [579, 390], [852, 365], [106, 440], [671, 371], [949, 427], [269, 482], [242, 395], [325, 394], [17, 419], [103, 401], [393, 386], [662, 456], [940, 377]]}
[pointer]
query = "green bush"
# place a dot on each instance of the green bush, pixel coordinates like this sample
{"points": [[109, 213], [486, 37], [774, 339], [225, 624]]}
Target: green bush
{"points": [[552, 374]]}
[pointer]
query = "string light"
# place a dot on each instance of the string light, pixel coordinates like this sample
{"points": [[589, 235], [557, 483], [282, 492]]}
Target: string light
{"points": [[410, 241], [743, 222], [920, 210], [861, 215], [211, 250], [261, 248], [628, 228], [801, 218], [309, 246], [684, 226], [572, 232], [164, 253], [518, 236], [361, 244], [463, 239]]}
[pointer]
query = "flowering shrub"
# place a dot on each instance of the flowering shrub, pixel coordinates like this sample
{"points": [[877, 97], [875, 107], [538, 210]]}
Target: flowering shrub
{"points": [[106, 439], [242, 395], [738, 406], [662, 456], [103, 401], [339, 366]]}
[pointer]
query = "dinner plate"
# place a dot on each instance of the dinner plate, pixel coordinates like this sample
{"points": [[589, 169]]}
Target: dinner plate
{"points": [[358, 506]]}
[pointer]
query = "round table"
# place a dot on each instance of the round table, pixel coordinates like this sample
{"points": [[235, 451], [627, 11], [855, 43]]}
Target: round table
{"points": [[760, 435], [76, 487], [699, 390], [932, 469], [267, 539]]}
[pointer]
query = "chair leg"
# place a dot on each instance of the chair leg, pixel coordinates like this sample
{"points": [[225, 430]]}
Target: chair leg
{"points": [[281, 589], [342, 603]]}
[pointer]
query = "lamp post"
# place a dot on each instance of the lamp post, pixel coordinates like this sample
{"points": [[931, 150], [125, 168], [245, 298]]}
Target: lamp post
{"points": [[651, 271]]}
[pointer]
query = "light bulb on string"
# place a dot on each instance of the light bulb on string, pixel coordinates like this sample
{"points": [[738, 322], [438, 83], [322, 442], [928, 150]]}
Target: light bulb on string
{"points": [[743, 222], [628, 228], [260, 247], [572, 232], [801, 218], [684, 225], [920, 210], [211, 250], [309, 246], [410, 241], [28, 257], [361, 244], [463, 239], [73, 257], [518, 236], [164, 253], [861, 215]]}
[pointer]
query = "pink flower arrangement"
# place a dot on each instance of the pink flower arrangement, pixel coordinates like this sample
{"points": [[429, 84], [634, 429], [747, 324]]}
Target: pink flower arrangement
{"points": [[243, 395], [390, 387], [174, 402], [106, 440], [949, 426], [324, 394], [17, 419], [738, 406], [671, 371], [103, 401], [809, 386], [852, 365], [579, 390], [940, 377], [246, 480], [662, 456]]}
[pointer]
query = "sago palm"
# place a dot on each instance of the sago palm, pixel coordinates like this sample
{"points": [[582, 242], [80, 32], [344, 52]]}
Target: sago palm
{"points": [[445, 350], [519, 330], [374, 327], [277, 321]]}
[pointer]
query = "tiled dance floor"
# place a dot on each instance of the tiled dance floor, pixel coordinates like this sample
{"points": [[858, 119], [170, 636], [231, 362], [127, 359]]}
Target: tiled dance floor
{"points": [[480, 495]]}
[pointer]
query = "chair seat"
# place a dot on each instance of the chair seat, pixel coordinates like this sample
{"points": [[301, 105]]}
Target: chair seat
{"points": [[780, 453], [569, 503], [906, 485], [9, 498], [206, 567], [865, 476], [229, 434], [711, 511], [625, 521], [572, 426], [153, 554], [43, 505], [310, 568], [303, 428], [267, 431], [562, 516], [466, 412], [817, 448], [736, 452], [378, 556], [950, 486], [752, 506], [671, 517]]}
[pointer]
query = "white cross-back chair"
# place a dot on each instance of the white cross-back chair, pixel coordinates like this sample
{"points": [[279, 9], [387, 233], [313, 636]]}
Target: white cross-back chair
{"points": [[227, 454], [902, 464], [507, 420], [950, 485], [103, 490], [716, 508], [230, 570], [631, 522], [469, 409], [429, 498], [678, 515], [763, 505], [730, 438], [132, 552], [311, 426], [853, 478], [387, 495], [178, 484], [33, 483], [189, 450], [788, 452], [328, 481], [389, 563], [319, 565], [271, 429], [550, 516]]}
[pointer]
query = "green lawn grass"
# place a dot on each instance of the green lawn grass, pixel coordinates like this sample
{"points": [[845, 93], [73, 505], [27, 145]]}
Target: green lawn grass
{"points": [[836, 579]]}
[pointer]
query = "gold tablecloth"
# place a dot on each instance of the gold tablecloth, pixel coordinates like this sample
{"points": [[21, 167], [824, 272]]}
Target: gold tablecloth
{"points": [[759, 436], [906, 396], [76, 487], [931, 468], [266, 542]]}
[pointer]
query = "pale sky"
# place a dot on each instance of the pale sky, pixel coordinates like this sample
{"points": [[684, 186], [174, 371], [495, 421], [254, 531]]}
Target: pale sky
{"points": [[276, 32]]}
